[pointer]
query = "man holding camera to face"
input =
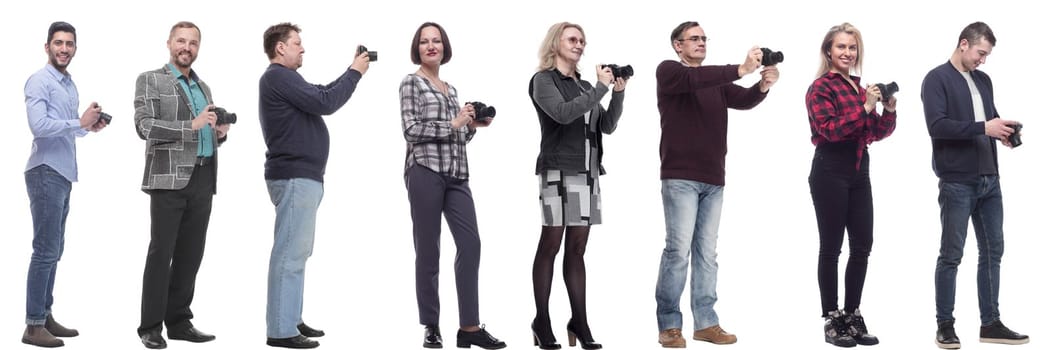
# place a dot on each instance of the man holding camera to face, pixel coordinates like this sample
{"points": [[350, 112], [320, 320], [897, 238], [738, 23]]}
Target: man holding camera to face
{"points": [[175, 115], [297, 145], [693, 102], [963, 124]]}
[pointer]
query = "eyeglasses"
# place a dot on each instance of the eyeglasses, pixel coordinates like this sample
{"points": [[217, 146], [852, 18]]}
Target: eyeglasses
{"points": [[575, 40], [695, 39]]}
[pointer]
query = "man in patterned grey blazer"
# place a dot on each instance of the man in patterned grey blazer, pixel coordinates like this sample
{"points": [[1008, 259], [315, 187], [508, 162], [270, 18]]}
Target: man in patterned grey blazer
{"points": [[175, 115]]}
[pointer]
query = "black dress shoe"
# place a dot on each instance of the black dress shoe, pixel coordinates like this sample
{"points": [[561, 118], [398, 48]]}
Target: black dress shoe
{"points": [[153, 340], [191, 334], [544, 338], [480, 338], [296, 342], [432, 337], [310, 332]]}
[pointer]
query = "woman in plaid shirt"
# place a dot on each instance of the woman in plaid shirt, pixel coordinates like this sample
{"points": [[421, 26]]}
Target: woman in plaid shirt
{"points": [[436, 132], [843, 121]]}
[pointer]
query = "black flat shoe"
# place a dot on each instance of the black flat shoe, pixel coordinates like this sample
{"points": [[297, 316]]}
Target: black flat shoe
{"points": [[191, 334], [153, 340], [296, 342], [306, 331], [480, 338], [432, 337]]}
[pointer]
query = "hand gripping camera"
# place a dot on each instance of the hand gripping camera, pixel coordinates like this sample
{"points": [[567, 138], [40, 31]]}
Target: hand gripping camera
{"points": [[620, 71], [1016, 137], [771, 57], [373, 56], [887, 90], [224, 117], [481, 111]]}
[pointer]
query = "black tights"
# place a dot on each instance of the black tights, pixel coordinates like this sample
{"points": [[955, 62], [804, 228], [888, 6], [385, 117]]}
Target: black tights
{"points": [[572, 270]]}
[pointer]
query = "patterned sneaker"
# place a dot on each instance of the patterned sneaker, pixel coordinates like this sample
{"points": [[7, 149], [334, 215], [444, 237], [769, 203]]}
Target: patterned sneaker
{"points": [[837, 331], [857, 329]]}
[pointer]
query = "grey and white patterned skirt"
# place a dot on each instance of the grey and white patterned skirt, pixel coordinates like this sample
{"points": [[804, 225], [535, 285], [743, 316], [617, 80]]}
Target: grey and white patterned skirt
{"points": [[569, 200]]}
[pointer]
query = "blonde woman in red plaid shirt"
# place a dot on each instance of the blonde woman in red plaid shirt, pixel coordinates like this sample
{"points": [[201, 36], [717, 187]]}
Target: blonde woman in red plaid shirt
{"points": [[843, 122]]}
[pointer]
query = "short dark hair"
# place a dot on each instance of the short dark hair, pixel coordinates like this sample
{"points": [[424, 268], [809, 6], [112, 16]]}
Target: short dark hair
{"points": [[277, 33], [184, 24], [684, 26], [974, 32], [447, 49], [60, 27]]}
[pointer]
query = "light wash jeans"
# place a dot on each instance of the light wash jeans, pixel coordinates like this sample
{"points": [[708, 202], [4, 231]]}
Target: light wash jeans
{"points": [[296, 201], [49, 204], [691, 214], [983, 204]]}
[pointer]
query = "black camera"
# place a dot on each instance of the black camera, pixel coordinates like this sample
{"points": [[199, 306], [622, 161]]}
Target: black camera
{"points": [[1016, 137], [224, 117], [771, 57], [481, 111], [887, 90], [372, 54], [620, 71], [103, 116]]}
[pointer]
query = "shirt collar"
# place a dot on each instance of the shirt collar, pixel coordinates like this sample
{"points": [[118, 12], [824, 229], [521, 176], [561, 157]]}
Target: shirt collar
{"points": [[178, 74], [63, 77], [563, 76]]}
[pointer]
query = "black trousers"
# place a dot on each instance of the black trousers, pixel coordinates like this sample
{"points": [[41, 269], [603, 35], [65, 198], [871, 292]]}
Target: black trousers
{"points": [[842, 195], [178, 224]]}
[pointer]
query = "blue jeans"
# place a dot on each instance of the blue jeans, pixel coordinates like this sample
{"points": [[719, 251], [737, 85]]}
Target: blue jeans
{"points": [[983, 204], [49, 205], [691, 214], [296, 202]]}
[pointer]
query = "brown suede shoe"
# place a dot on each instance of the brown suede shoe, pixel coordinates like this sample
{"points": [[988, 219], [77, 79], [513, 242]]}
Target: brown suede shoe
{"points": [[672, 338], [39, 336], [715, 335], [59, 330]]}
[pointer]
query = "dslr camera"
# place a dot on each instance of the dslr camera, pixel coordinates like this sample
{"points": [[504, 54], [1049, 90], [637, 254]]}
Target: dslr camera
{"points": [[771, 57], [481, 111], [372, 54], [620, 71], [224, 117], [1016, 137], [103, 116], [887, 90]]}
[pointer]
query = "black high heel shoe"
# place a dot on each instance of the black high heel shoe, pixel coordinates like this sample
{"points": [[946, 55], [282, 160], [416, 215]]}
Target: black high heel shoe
{"points": [[584, 334], [544, 341]]}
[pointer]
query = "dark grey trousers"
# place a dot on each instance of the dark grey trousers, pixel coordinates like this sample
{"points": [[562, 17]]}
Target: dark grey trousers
{"points": [[431, 195]]}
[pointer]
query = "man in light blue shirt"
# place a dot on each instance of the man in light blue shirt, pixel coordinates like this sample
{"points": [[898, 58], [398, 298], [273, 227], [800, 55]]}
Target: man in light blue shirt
{"points": [[51, 105]]}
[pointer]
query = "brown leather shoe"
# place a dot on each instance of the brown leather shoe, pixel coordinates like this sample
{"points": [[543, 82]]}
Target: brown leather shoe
{"points": [[59, 330], [672, 338], [39, 336], [715, 335]]}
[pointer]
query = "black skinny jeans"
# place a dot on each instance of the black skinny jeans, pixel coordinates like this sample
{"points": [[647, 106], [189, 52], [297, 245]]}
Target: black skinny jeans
{"points": [[842, 197]]}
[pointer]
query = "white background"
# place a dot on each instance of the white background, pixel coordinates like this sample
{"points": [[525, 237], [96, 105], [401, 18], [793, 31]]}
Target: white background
{"points": [[360, 287]]}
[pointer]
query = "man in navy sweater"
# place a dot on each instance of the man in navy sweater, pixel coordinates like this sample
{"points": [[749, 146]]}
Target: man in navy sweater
{"points": [[964, 125], [297, 143], [693, 102]]}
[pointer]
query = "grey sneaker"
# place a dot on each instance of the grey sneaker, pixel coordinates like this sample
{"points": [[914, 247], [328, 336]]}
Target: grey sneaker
{"points": [[857, 329], [837, 331]]}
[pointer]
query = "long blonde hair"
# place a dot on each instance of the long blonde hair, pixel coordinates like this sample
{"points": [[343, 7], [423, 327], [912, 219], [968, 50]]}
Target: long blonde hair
{"points": [[826, 48], [549, 47]]}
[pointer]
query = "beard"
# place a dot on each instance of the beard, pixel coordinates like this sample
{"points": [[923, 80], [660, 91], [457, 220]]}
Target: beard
{"points": [[184, 61]]}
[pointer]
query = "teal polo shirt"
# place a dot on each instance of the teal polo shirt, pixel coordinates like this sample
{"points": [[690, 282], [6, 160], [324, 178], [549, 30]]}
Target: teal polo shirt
{"points": [[205, 147]]}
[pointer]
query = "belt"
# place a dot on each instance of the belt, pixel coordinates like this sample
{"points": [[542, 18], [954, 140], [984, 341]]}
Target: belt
{"points": [[202, 161]]}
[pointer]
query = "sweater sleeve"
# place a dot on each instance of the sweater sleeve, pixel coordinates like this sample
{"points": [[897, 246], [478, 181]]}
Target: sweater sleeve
{"points": [[675, 78], [317, 99], [550, 100], [609, 118], [738, 97]]}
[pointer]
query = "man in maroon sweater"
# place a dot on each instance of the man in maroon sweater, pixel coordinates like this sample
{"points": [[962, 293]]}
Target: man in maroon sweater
{"points": [[693, 102]]}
